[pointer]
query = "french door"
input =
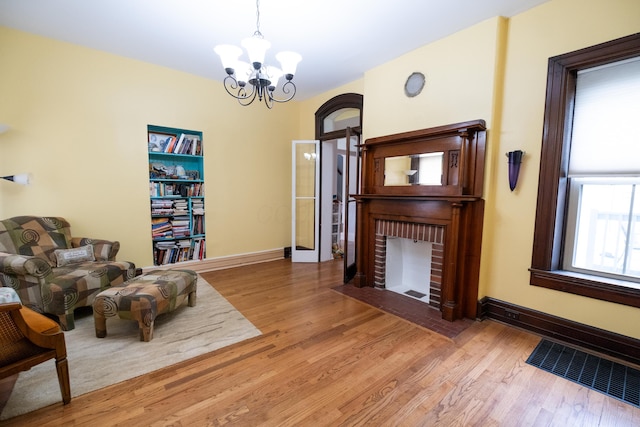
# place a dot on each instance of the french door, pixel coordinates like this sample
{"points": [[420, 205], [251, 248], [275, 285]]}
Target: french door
{"points": [[352, 186], [305, 206]]}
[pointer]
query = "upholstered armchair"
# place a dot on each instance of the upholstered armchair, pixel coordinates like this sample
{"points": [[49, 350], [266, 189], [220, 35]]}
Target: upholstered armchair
{"points": [[27, 339], [53, 272]]}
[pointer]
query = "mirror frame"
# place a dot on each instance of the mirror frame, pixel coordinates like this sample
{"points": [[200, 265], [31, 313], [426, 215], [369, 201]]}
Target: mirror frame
{"points": [[463, 145]]}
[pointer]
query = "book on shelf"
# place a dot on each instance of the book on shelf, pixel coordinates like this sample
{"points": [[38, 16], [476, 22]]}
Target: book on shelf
{"points": [[198, 249], [198, 225], [172, 252], [179, 144], [159, 142]]}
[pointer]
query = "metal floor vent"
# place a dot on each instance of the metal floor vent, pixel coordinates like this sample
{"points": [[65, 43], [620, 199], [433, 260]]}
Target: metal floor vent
{"points": [[415, 294], [610, 378]]}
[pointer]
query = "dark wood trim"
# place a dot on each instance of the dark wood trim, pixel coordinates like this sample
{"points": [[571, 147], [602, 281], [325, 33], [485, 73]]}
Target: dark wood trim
{"points": [[586, 285], [573, 333], [546, 260], [345, 100]]}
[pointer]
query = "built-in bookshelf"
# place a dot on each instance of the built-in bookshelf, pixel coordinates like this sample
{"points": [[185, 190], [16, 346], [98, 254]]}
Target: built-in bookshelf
{"points": [[176, 192]]}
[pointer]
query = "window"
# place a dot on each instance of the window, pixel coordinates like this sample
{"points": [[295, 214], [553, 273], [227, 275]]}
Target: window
{"points": [[587, 229], [604, 173], [603, 228]]}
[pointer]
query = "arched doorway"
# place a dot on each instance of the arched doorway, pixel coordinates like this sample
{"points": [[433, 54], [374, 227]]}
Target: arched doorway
{"points": [[338, 129]]}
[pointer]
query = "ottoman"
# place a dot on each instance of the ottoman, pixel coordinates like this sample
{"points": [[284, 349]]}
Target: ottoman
{"points": [[144, 298]]}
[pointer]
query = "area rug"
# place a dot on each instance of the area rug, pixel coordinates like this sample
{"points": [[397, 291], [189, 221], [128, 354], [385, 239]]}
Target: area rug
{"points": [[95, 363], [610, 378], [407, 308]]}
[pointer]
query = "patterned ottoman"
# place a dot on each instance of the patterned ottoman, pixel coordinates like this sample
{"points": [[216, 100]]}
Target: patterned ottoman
{"points": [[144, 298]]}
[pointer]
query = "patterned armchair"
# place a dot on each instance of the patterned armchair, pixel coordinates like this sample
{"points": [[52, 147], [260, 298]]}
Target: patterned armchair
{"points": [[53, 272]]}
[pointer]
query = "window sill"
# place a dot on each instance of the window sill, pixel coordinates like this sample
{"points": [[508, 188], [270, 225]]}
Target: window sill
{"points": [[601, 288]]}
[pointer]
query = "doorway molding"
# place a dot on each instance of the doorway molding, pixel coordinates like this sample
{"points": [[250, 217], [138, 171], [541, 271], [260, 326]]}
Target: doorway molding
{"points": [[338, 102]]}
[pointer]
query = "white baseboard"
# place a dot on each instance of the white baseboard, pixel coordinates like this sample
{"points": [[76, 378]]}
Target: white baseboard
{"points": [[221, 263]]}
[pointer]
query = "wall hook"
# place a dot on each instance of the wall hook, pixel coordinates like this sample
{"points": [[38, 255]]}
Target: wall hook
{"points": [[515, 158]]}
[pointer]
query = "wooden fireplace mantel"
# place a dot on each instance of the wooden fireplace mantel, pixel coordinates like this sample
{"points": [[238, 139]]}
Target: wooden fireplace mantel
{"points": [[455, 205]]}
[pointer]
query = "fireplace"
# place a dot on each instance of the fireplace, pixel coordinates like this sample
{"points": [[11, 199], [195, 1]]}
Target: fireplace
{"points": [[409, 248], [440, 221]]}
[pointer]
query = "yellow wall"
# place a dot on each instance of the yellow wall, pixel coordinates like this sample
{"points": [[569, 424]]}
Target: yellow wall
{"points": [[78, 122], [553, 28], [459, 74]]}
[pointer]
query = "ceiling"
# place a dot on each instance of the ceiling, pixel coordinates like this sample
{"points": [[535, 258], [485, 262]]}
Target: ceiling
{"points": [[338, 39]]}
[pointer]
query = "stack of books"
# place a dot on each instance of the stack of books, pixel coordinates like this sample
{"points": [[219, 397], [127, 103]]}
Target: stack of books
{"points": [[197, 207], [161, 228], [180, 226], [180, 207], [161, 207]]}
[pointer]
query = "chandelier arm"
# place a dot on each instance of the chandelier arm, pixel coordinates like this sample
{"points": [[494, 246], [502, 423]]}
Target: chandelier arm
{"points": [[268, 99], [248, 98], [288, 87], [230, 83]]}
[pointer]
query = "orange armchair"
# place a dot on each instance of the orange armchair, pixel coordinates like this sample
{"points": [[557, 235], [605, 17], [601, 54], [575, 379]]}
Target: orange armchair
{"points": [[27, 339]]}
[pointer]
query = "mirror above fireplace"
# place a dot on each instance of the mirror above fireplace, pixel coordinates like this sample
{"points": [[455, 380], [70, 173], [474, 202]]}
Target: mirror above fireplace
{"points": [[416, 169]]}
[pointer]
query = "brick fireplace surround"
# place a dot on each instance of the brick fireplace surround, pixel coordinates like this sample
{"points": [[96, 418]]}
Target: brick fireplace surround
{"points": [[433, 234]]}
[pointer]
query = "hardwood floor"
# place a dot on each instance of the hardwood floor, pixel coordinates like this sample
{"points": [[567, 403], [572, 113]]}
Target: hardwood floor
{"points": [[326, 359]]}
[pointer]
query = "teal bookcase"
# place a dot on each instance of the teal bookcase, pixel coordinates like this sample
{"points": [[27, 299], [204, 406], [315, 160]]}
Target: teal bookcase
{"points": [[176, 193]]}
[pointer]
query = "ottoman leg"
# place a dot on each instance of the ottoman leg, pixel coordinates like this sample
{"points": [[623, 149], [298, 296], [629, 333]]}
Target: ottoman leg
{"points": [[192, 299], [146, 332], [101, 325], [100, 315]]}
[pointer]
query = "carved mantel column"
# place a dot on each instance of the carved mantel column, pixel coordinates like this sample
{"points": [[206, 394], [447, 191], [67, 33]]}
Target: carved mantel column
{"points": [[450, 304]]}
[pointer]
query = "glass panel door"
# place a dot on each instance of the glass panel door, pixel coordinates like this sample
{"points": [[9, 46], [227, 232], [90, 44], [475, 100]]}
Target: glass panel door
{"points": [[352, 186], [305, 212]]}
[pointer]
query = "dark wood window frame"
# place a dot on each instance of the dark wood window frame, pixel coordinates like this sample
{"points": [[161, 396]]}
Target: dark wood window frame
{"points": [[546, 263]]}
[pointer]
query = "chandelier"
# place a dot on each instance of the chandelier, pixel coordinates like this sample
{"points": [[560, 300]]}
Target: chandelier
{"points": [[262, 79]]}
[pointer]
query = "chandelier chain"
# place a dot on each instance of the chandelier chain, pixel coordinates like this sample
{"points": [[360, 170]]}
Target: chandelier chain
{"points": [[258, 33]]}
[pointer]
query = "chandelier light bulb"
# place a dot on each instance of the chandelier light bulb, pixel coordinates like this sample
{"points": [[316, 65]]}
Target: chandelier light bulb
{"points": [[21, 178], [256, 48], [289, 62], [273, 75], [229, 55], [243, 72]]}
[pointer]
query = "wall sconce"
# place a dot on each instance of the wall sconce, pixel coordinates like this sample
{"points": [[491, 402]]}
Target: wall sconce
{"points": [[22, 178], [515, 158]]}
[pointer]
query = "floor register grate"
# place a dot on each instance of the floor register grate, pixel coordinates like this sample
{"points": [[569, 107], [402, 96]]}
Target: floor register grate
{"points": [[608, 377], [415, 294]]}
